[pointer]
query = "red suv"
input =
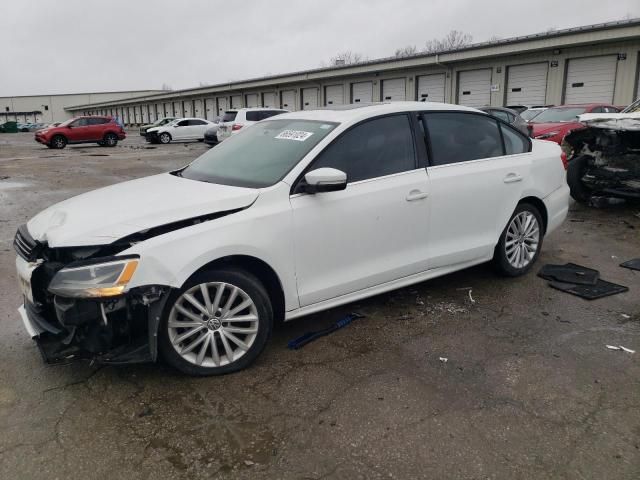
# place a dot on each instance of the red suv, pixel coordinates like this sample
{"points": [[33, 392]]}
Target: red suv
{"points": [[102, 130]]}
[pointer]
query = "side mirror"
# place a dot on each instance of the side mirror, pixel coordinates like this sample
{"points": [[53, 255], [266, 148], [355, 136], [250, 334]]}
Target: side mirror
{"points": [[325, 180]]}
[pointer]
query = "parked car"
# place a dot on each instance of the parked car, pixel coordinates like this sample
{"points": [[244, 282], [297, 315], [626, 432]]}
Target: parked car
{"points": [[554, 123], [604, 161], [530, 113], [180, 129], [234, 120], [509, 116], [300, 213], [157, 123], [93, 129]]}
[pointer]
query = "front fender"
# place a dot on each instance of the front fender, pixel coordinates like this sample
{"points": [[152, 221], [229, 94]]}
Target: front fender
{"points": [[261, 231]]}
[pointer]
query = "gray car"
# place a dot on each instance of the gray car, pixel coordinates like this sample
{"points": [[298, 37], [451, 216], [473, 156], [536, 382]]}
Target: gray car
{"points": [[510, 116]]}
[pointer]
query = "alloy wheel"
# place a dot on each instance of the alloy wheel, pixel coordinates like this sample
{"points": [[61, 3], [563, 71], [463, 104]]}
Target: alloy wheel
{"points": [[522, 239], [213, 324]]}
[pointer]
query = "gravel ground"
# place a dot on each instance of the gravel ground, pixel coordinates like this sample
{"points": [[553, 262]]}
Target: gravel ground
{"points": [[529, 389]]}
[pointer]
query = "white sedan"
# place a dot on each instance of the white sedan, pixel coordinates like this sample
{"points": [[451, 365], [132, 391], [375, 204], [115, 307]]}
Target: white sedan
{"points": [[298, 214], [179, 130]]}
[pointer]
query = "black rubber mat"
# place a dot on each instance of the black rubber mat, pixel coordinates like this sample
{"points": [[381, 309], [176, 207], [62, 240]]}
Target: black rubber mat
{"points": [[570, 273], [632, 264], [590, 292]]}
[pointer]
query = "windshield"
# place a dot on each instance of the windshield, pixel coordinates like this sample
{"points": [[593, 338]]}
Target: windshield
{"points": [[633, 108], [530, 114], [554, 115], [261, 155], [67, 122]]}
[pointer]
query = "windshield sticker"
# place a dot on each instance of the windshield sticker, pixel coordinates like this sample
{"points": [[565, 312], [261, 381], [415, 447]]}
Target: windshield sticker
{"points": [[297, 135], [325, 127]]}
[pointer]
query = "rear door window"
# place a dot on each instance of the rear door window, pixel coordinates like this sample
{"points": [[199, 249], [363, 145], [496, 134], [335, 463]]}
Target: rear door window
{"points": [[460, 137], [255, 116], [196, 122], [514, 142]]}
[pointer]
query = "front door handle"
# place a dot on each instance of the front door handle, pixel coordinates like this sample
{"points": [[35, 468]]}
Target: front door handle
{"points": [[416, 195], [512, 178]]}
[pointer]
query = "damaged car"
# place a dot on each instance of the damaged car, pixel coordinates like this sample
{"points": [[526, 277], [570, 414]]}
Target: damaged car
{"points": [[297, 214], [604, 157]]}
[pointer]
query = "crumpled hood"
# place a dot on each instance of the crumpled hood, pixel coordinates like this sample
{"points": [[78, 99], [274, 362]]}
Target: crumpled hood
{"points": [[612, 121], [540, 128], [108, 214]]}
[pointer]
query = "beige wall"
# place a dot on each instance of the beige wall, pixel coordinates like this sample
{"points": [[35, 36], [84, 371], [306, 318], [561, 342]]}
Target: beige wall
{"points": [[53, 106]]}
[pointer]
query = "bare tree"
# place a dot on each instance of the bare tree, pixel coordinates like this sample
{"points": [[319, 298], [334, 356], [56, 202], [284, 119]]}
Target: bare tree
{"points": [[453, 40], [405, 51], [166, 87], [347, 57]]}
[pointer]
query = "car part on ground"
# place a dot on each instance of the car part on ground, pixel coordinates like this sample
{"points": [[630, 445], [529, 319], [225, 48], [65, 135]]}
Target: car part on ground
{"points": [[301, 341], [604, 157], [633, 264], [174, 262], [569, 273]]}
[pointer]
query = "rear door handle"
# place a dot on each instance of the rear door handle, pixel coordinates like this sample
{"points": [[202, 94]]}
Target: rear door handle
{"points": [[512, 178], [416, 195]]}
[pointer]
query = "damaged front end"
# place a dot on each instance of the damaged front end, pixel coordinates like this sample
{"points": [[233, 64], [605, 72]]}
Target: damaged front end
{"points": [[77, 306], [604, 159]]}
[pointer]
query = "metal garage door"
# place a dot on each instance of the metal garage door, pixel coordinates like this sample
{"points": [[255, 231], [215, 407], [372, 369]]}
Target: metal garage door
{"points": [[334, 95], [309, 98], [591, 79], [188, 108], [223, 105], [198, 110], [527, 84], [177, 109], [166, 110], [394, 90], [236, 101], [474, 88], [362, 92], [288, 100], [269, 99], [431, 88], [251, 100]]}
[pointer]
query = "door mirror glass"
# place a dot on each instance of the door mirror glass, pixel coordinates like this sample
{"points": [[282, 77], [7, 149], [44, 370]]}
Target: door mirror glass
{"points": [[325, 180]]}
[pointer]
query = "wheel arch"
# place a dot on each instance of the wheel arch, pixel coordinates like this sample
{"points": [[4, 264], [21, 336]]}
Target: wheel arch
{"points": [[542, 208], [262, 271]]}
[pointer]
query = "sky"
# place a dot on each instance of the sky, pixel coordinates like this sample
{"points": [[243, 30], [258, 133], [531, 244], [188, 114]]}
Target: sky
{"points": [[74, 46]]}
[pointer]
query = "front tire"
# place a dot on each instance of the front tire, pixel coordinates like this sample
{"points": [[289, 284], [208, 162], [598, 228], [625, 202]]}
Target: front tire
{"points": [[164, 138], [521, 241], [575, 171], [59, 142], [217, 323]]}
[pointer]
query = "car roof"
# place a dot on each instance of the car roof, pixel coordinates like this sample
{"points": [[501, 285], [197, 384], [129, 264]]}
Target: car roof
{"points": [[353, 112], [583, 105]]}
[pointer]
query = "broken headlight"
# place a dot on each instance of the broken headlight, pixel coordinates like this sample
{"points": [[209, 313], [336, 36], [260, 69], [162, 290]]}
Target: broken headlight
{"points": [[100, 278]]}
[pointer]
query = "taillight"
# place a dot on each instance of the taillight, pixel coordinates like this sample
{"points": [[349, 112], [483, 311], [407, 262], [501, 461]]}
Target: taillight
{"points": [[565, 161], [236, 126]]}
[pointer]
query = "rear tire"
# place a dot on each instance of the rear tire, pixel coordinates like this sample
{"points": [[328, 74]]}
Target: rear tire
{"points": [[575, 171], [221, 341], [164, 138], [58, 142], [110, 140], [520, 242]]}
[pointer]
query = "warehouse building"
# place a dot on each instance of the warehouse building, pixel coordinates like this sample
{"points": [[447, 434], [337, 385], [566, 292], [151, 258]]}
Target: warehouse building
{"points": [[595, 63], [52, 108]]}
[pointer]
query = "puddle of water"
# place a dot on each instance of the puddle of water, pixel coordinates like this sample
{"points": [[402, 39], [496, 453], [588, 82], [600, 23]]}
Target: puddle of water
{"points": [[98, 155]]}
